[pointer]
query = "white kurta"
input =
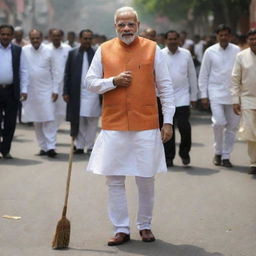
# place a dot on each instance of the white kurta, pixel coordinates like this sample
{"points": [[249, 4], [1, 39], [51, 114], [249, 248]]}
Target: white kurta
{"points": [[89, 102], [39, 106], [183, 74], [60, 56], [215, 74], [131, 153], [244, 93]]}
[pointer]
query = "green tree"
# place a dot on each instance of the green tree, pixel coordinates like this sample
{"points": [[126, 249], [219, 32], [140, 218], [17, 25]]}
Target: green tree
{"points": [[197, 12]]}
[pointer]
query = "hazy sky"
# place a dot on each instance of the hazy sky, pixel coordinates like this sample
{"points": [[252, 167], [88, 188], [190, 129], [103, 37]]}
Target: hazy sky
{"points": [[97, 15]]}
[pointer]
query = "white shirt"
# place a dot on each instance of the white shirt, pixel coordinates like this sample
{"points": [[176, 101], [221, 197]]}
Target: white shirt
{"points": [[215, 73], [199, 50], [89, 101], [60, 56], [187, 44], [96, 83], [183, 74], [6, 71]]}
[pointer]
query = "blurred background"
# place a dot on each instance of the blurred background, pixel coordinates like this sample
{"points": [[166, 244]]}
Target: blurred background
{"points": [[194, 16]]}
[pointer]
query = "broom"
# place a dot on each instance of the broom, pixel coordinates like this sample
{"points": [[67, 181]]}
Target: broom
{"points": [[62, 233]]}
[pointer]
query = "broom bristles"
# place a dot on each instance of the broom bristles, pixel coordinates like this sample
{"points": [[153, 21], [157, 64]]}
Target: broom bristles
{"points": [[62, 234]]}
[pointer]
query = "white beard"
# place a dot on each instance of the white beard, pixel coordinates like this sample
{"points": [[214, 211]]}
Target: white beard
{"points": [[127, 40]]}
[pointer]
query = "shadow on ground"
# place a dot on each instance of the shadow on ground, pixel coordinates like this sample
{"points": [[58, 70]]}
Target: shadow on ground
{"points": [[159, 247], [63, 157], [19, 162], [193, 170], [163, 248]]}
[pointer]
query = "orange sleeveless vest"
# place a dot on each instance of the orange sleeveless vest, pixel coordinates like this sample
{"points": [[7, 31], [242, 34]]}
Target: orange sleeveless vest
{"points": [[131, 108]]}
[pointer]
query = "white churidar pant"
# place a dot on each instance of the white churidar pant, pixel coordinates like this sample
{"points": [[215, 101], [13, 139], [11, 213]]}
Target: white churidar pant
{"points": [[46, 134], [87, 132], [247, 132], [252, 152], [225, 124], [117, 203]]}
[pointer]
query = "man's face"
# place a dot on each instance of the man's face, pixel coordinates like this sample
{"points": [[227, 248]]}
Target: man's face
{"points": [[223, 37], [18, 35], [252, 42], [6, 36], [86, 40], [127, 27], [35, 39], [150, 34], [172, 42], [56, 38], [71, 37]]}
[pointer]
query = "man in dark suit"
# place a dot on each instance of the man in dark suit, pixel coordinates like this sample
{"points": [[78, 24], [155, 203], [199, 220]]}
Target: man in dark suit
{"points": [[83, 107], [13, 86]]}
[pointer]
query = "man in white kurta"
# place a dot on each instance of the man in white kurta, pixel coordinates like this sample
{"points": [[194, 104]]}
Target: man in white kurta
{"points": [[83, 108], [90, 110], [117, 154], [42, 93], [214, 84], [183, 74], [244, 96], [60, 55]]}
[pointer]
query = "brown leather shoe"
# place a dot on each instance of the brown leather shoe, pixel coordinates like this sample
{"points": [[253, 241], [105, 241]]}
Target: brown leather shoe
{"points": [[252, 170], [147, 235], [119, 238]]}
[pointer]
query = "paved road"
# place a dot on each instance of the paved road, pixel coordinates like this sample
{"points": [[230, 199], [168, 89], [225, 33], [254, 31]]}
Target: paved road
{"points": [[200, 211]]}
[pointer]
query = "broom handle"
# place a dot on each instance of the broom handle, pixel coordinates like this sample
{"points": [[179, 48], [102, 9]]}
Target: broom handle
{"points": [[70, 159]]}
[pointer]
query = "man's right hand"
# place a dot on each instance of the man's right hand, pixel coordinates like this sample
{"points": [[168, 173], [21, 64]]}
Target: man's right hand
{"points": [[66, 98], [237, 109], [205, 103], [124, 79]]}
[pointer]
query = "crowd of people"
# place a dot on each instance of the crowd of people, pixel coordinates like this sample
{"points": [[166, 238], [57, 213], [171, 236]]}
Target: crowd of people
{"points": [[142, 86]]}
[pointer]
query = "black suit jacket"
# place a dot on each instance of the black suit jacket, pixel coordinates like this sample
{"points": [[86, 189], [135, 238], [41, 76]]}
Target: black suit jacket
{"points": [[72, 85], [16, 52]]}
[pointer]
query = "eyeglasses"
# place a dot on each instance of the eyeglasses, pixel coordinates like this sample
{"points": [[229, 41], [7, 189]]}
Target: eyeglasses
{"points": [[129, 24]]}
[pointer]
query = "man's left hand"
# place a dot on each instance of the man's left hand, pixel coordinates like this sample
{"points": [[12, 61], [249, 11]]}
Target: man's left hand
{"points": [[54, 97], [166, 132]]}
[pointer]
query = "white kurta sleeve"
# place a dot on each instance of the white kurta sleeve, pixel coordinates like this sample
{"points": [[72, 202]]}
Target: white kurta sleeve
{"points": [[192, 79], [55, 74], [164, 86], [204, 75], [236, 81], [94, 81], [23, 73]]}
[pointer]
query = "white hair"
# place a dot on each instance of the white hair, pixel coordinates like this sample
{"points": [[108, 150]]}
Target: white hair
{"points": [[123, 10]]}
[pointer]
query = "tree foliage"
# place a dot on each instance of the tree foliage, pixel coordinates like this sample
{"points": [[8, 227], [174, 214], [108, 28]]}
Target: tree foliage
{"points": [[222, 11]]}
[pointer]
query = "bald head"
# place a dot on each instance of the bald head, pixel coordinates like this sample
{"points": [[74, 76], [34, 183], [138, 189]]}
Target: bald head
{"points": [[150, 34], [36, 38]]}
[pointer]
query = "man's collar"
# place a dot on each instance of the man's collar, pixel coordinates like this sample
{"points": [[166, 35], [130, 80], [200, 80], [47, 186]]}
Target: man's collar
{"points": [[38, 49], [8, 47], [220, 47], [60, 46], [177, 51]]}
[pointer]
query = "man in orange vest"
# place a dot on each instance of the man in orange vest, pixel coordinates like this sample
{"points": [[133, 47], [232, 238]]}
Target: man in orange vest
{"points": [[127, 71]]}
